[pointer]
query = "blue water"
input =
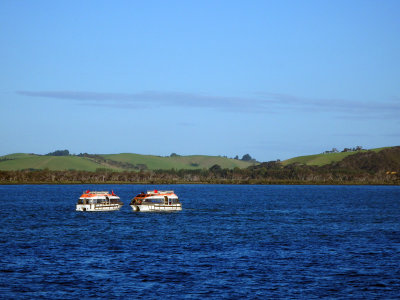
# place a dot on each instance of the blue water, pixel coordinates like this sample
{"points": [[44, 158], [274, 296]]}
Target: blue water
{"points": [[253, 242]]}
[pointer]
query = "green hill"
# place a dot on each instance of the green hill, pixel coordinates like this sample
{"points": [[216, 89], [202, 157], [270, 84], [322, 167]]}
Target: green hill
{"points": [[324, 158], [18, 155], [115, 162], [20, 162], [135, 162], [177, 162]]}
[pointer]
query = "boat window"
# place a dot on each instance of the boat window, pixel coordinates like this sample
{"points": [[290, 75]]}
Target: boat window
{"points": [[153, 201], [96, 201]]}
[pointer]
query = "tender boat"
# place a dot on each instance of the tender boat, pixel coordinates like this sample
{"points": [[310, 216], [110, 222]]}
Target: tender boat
{"points": [[98, 201], [156, 201]]}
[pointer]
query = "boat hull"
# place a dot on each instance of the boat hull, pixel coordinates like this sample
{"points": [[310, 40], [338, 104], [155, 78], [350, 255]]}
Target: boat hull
{"points": [[97, 207], [157, 207]]}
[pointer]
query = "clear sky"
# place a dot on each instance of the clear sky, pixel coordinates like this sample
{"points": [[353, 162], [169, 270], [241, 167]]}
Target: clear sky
{"points": [[274, 79]]}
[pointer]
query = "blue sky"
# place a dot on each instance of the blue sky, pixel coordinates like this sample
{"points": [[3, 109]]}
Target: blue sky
{"points": [[274, 79]]}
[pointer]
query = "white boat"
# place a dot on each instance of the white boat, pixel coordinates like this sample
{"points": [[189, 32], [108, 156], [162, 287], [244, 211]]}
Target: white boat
{"points": [[98, 201], [156, 201]]}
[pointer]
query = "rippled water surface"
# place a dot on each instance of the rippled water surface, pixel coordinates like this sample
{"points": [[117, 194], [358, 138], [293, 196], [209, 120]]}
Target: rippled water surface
{"points": [[228, 242]]}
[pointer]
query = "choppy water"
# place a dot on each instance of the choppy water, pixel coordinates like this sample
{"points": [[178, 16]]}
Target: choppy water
{"points": [[228, 242]]}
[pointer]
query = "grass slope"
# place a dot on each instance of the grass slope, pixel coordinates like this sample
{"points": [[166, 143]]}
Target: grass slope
{"points": [[18, 155], [21, 162], [178, 162], [324, 159]]}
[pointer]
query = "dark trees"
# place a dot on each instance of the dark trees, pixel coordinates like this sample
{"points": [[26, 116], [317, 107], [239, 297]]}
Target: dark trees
{"points": [[246, 157], [59, 153]]}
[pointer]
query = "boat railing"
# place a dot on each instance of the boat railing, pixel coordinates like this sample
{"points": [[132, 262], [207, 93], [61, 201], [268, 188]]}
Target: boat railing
{"points": [[160, 192], [97, 206], [97, 192]]}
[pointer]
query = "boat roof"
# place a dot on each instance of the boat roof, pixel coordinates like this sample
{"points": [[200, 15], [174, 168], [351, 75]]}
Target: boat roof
{"points": [[90, 194], [156, 193]]}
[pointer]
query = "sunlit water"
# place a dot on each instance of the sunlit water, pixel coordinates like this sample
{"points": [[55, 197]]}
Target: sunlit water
{"points": [[227, 242]]}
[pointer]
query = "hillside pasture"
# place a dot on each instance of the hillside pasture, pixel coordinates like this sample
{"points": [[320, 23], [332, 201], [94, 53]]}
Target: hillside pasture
{"points": [[189, 162], [48, 162], [22, 161], [324, 158]]}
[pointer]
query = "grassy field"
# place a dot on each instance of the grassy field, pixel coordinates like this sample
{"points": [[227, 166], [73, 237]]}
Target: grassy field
{"points": [[18, 156], [178, 162], [323, 159], [21, 161]]}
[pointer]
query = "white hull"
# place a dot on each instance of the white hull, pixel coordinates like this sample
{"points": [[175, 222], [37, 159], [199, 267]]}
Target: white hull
{"points": [[97, 207], [157, 207]]}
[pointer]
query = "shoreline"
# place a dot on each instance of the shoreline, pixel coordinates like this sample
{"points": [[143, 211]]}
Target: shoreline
{"points": [[202, 183]]}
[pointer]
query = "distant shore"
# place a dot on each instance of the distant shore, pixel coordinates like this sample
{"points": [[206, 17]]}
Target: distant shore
{"points": [[251, 182], [362, 168]]}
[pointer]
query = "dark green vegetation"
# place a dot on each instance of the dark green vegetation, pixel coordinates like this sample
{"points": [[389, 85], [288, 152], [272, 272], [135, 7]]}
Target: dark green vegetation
{"points": [[378, 166]]}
